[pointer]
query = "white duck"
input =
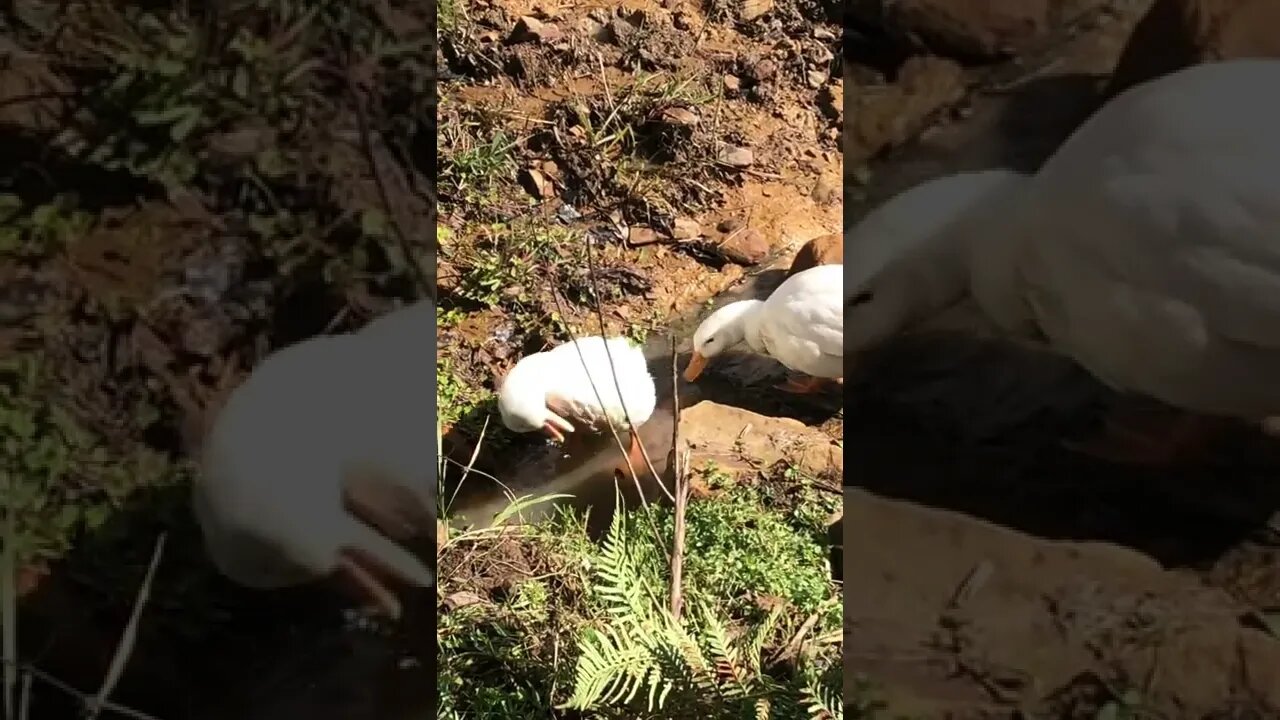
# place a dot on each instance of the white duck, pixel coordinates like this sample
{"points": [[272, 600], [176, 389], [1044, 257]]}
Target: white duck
{"points": [[326, 436], [800, 324], [1147, 248], [572, 387]]}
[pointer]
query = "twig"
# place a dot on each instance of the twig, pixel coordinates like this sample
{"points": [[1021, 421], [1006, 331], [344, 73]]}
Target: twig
{"points": [[84, 698], [792, 648], [129, 637], [9, 609], [427, 287], [679, 483]]}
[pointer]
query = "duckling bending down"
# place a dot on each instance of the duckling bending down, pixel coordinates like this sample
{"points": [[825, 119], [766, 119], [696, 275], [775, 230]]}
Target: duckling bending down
{"points": [[572, 387], [1147, 248], [801, 325], [321, 464]]}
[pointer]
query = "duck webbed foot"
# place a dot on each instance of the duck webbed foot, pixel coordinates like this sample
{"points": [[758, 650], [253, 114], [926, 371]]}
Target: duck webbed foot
{"points": [[635, 455], [808, 385], [1158, 439]]}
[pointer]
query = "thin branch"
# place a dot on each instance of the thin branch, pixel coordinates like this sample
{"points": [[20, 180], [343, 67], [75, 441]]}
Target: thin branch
{"points": [[129, 637], [427, 287], [85, 698], [676, 469]]}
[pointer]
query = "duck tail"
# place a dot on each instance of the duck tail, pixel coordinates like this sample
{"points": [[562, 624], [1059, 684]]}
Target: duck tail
{"points": [[385, 552]]}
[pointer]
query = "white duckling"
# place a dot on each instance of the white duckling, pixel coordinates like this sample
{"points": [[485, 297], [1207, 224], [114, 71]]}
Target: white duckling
{"points": [[572, 387], [800, 324], [323, 461], [1147, 248]]}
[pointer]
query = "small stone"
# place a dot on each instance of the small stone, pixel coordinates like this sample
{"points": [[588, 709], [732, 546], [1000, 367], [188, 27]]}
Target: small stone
{"points": [[732, 84], [826, 191], [749, 10], [620, 31], [530, 29], [737, 157], [462, 599], [764, 70], [682, 20], [816, 78], [639, 236], [728, 225], [831, 100], [747, 247], [684, 228], [680, 116], [537, 184]]}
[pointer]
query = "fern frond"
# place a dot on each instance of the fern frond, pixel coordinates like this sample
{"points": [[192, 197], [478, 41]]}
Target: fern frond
{"points": [[823, 700]]}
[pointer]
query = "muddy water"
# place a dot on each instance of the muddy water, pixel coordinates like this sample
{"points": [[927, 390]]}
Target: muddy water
{"points": [[585, 469]]}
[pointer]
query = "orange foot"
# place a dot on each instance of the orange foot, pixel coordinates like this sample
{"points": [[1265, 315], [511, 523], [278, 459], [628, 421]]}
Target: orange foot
{"points": [[809, 385], [1159, 440], [636, 456]]}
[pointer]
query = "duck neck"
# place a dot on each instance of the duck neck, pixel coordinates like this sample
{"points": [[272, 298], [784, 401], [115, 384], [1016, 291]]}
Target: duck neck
{"points": [[752, 333], [971, 255]]}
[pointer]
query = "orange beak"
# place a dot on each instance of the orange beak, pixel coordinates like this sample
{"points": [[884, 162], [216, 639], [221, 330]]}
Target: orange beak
{"points": [[555, 427], [696, 364]]}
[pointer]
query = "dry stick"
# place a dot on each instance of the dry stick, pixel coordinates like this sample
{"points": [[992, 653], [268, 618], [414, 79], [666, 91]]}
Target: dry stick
{"points": [[9, 608], [681, 486], [84, 698], [366, 146], [124, 650]]}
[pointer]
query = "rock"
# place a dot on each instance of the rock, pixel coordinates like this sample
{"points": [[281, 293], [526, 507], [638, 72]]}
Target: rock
{"points": [[746, 247], [728, 225], [737, 157], [529, 29], [826, 190], [537, 184], [749, 10], [831, 100], [680, 116], [762, 71], [1178, 33], [732, 84], [684, 228], [816, 78], [888, 116], [620, 31], [724, 432], [822, 250], [985, 29], [639, 236], [683, 20]]}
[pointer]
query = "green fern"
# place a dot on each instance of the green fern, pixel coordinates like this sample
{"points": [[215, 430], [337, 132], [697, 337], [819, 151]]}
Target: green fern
{"points": [[695, 667]]}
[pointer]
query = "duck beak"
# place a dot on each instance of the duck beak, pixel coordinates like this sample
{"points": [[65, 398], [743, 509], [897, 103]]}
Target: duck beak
{"points": [[361, 580], [556, 427], [696, 363]]}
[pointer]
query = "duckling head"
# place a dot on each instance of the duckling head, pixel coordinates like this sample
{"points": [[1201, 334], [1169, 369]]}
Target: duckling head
{"points": [[731, 325]]}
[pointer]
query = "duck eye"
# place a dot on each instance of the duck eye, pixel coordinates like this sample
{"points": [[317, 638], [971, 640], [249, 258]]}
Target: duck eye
{"points": [[861, 298]]}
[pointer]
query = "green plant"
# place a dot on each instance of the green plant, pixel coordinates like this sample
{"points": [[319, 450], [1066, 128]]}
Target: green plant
{"points": [[41, 232], [59, 478], [645, 657]]}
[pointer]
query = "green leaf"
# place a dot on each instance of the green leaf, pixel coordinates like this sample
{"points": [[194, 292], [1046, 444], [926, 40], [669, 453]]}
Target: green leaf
{"points": [[373, 223], [181, 129]]}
